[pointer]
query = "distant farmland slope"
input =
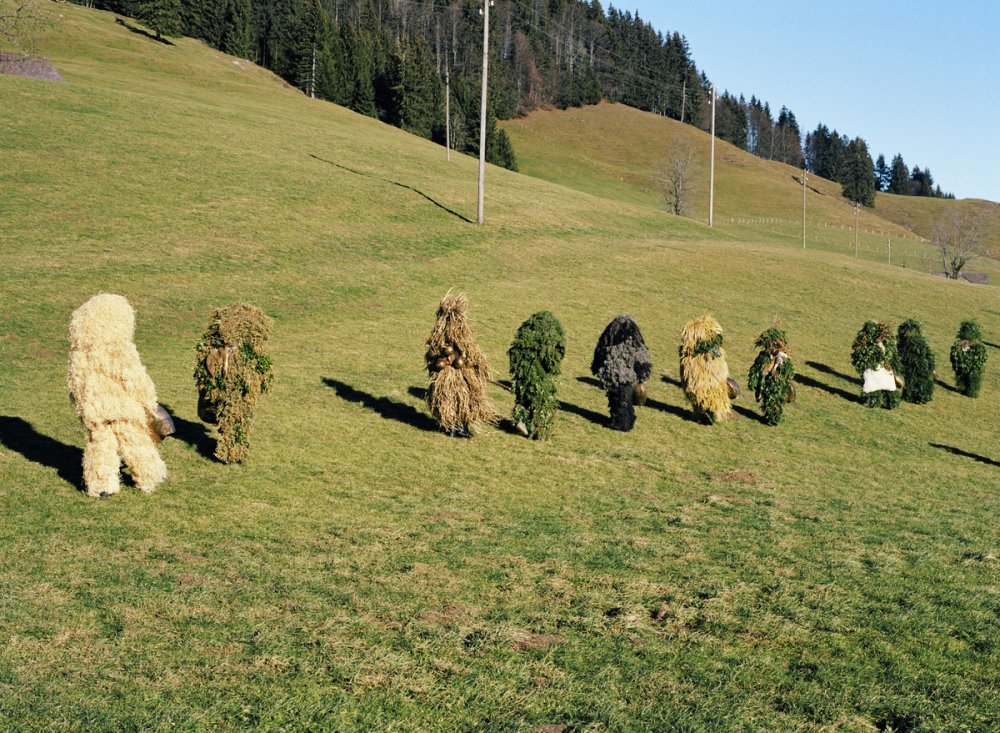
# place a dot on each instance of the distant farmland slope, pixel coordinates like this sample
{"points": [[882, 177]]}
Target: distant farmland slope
{"points": [[610, 150]]}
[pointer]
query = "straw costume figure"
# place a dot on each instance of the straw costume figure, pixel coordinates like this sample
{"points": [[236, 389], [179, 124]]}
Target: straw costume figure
{"points": [[535, 358], [704, 372], [875, 358], [916, 361], [458, 371], [772, 376], [114, 397], [968, 358], [232, 370], [621, 361]]}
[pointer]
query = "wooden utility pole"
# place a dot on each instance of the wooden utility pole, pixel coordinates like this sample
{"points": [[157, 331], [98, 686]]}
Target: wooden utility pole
{"points": [[711, 174], [312, 77], [888, 244], [803, 208], [482, 106], [856, 208], [684, 94], [447, 110]]}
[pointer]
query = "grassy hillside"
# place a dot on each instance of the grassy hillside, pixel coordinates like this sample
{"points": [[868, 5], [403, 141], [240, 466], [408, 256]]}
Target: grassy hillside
{"points": [[610, 150], [365, 572]]}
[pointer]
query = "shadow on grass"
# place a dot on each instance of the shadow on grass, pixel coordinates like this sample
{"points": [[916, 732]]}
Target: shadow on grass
{"points": [[67, 460], [671, 381], [143, 32], [674, 410], [820, 367], [194, 434], [966, 454], [836, 391], [384, 406], [992, 345], [592, 381], [595, 417], [394, 183], [751, 414], [947, 387]]}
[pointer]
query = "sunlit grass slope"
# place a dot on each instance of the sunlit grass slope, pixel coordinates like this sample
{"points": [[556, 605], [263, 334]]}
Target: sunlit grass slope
{"points": [[363, 571], [610, 150]]}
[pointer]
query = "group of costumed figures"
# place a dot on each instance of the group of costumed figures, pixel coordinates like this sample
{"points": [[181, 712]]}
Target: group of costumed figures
{"points": [[900, 367], [459, 372], [116, 400]]}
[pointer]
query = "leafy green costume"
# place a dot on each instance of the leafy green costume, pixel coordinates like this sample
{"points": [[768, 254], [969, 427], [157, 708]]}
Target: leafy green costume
{"points": [[917, 362], [874, 349], [968, 358], [535, 358], [772, 376]]}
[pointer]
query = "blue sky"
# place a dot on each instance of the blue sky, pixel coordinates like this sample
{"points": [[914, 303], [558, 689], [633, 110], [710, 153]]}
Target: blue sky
{"points": [[917, 78]]}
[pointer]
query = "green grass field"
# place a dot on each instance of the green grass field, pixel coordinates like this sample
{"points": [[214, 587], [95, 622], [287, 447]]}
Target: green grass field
{"points": [[840, 572]]}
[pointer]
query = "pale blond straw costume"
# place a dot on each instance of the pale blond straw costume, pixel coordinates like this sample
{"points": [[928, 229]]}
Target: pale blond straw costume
{"points": [[114, 397]]}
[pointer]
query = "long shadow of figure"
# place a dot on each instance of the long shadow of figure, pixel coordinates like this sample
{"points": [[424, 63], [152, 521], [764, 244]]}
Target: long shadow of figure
{"points": [[752, 414], [966, 454], [194, 434], [592, 381], [674, 410], [67, 460], [394, 183], [947, 387], [594, 417], [671, 381], [820, 367], [808, 381], [384, 406]]}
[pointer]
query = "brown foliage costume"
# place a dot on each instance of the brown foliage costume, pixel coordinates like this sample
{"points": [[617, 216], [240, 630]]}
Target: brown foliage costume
{"points": [[232, 370], [704, 372], [458, 371], [114, 397]]}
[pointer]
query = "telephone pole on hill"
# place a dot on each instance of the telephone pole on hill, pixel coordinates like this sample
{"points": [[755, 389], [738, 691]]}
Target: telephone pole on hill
{"points": [[447, 110], [482, 106], [711, 174], [803, 208]]}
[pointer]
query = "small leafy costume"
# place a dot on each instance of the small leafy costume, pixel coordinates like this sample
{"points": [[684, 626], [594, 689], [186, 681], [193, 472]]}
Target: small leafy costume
{"points": [[704, 372], [968, 358], [232, 371], [535, 358], [916, 361], [772, 376], [621, 361], [875, 358], [458, 371]]}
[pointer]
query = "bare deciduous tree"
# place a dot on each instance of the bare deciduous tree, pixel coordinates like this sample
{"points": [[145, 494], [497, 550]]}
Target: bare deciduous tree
{"points": [[958, 238], [676, 177]]}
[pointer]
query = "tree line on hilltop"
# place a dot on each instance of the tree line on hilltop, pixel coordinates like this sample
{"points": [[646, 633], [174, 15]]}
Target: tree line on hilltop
{"points": [[389, 59]]}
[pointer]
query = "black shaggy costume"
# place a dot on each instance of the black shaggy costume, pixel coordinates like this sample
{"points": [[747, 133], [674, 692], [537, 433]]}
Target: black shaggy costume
{"points": [[916, 360], [622, 363]]}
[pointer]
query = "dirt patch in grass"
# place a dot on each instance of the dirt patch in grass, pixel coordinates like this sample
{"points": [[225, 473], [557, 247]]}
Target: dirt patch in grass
{"points": [[35, 67]]}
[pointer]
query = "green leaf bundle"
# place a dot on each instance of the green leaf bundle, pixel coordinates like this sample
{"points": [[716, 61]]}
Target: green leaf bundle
{"points": [[772, 376], [875, 347], [232, 371], [536, 356], [916, 361], [968, 358]]}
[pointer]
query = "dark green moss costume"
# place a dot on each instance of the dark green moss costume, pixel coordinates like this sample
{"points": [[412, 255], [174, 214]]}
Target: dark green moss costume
{"points": [[874, 349], [772, 376], [535, 358], [917, 363], [232, 372], [968, 358]]}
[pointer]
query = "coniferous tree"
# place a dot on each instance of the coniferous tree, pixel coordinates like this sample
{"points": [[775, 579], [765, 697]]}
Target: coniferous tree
{"points": [[882, 173], [236, 33], [899, 177], [858, 175], [162, 16]]}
